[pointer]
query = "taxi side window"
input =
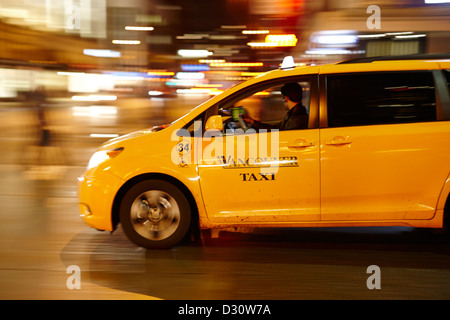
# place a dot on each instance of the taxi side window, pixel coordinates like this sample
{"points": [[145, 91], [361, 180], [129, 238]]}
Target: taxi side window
{"points": [[266, 106], [447, 77], [194, 127], [380, 98]]}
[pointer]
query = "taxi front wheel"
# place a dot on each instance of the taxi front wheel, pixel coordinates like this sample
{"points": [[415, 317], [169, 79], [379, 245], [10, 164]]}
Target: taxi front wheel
{"points": [[155, 214]]}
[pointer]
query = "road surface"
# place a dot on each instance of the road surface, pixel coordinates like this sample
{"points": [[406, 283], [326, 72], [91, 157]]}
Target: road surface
{"points": [[47, 252]]}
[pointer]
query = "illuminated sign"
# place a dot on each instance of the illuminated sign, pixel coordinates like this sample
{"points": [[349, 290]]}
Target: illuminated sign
{"points": [[102, 53], [190, 53], [282, 40], [276, 40], [237, 64]]}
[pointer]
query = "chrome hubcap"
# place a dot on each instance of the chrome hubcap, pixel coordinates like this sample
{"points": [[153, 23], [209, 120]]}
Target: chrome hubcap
{"points": [[155, 215]]}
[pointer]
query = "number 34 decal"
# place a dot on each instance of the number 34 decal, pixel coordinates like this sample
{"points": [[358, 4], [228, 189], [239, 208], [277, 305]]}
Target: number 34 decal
{"points": [[183, 147]]}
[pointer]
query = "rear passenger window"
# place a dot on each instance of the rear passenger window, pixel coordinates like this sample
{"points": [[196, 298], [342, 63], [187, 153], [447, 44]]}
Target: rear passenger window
{"points": [[380, 98]]}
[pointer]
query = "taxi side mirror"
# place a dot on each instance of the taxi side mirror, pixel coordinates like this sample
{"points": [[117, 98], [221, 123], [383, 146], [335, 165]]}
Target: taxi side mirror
{"points": [[214, 123]]}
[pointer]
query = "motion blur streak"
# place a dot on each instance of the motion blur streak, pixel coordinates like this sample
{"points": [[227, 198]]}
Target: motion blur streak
{"points": [[76, 73]]}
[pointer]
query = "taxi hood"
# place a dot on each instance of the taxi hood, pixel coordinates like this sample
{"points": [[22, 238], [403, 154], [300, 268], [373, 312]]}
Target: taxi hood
{"points": [[132, 135]]}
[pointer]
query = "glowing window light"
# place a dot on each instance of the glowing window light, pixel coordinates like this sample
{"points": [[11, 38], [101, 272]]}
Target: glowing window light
{"points": [[238, 64], [14, 13], [276, 40], [69, 73], [255, 31], [102, 53], [95, 111], [103, 135], [124, 75], [155, 93], [94, 97], [261, 44], [282, 40], [133, 28], [336, 39], [188, 53], [326, 51], [209, 85], [130, 42], [155, 79], [161, 73], [183, 83], [190, 75], [211, 61], [195, 67], [213, 91], [236, 78], [369, 36]]}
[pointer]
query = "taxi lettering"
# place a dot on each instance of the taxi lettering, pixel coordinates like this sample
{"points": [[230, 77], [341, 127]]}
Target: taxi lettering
{"points": [[257, 177], [260, 162]]}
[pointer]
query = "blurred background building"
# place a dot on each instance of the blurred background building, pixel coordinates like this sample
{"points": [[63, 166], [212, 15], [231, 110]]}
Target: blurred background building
{"points": [[157, 45], [109, 67]]}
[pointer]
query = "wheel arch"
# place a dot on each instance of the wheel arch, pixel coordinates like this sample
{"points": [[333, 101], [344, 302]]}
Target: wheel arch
{"points": [[115, 216], [444, 203], [446, 222]]}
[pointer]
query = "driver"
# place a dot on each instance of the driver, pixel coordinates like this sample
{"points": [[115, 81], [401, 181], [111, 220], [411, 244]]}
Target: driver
{"points": [[296, 118]]}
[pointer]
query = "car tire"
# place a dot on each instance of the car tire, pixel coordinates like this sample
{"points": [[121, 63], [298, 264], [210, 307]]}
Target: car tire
{"points": [[155, 214]]}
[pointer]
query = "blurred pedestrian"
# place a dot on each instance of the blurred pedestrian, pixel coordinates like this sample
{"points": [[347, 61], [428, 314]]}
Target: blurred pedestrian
{"points": [[39, 98], [45, 159]]}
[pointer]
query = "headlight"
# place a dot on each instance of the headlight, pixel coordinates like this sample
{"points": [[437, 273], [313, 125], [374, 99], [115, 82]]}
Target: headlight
{"points": [[103, 155]]}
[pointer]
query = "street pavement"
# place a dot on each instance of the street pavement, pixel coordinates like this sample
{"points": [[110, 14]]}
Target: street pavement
{"points": [[43, 239]]}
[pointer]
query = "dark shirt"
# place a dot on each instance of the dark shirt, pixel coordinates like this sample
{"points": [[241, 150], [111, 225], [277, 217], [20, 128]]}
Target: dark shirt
{"points": [[296, 118]]}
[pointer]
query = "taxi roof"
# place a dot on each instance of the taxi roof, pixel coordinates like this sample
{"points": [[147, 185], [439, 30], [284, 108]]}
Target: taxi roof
{"points": [[428, 56], [385, 63], [368, 64]]}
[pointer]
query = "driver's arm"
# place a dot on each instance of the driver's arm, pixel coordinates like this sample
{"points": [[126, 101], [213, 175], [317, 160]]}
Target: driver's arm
{"points": [[258, 125]]}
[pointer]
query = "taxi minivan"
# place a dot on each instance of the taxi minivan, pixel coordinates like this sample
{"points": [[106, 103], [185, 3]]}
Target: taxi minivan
{"points": [[375, 152]]}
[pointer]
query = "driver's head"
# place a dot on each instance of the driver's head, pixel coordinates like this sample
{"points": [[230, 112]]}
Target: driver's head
{"points": [[293, 91]]}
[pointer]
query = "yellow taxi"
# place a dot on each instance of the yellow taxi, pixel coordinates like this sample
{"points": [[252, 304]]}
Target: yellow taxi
{"points": [[358, 143]]}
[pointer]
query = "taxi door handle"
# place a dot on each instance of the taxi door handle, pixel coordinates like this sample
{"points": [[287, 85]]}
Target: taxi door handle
{"points": [[301, 144], [338, 141]]}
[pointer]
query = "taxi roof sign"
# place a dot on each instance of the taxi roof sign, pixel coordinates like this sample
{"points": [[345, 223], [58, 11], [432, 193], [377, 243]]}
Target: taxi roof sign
{"points": [[288, 62]]}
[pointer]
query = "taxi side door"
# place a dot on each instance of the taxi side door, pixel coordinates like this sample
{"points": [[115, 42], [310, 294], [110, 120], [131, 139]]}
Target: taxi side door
{"points": [[272, 178], [385, 149]]}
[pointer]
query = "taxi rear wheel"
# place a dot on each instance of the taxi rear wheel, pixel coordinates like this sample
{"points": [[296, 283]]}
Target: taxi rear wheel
{"points": [[155, 214]]}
